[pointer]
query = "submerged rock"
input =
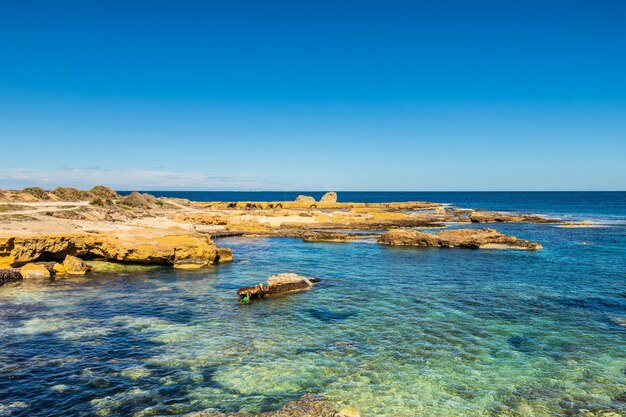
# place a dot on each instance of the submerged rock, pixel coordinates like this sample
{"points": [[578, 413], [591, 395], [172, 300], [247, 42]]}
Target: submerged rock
{"points": [[329, 197], [307, 406], [456, 238]]}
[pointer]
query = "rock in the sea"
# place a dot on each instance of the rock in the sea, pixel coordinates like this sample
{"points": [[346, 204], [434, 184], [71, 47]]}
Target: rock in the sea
{"points": [[224, 254], [329, 197], [307, 406], [75, 266], [29, 271], [277, 285], [287, 278], [305, 199], [456, 238], [495, 217], [328, 237]]}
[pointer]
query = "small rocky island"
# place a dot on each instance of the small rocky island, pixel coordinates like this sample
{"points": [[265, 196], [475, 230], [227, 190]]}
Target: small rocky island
{"points": [[58, 232]]}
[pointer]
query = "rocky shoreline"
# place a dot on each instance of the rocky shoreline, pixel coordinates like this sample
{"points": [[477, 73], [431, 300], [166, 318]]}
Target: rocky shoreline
{"points": [[39, 226]]}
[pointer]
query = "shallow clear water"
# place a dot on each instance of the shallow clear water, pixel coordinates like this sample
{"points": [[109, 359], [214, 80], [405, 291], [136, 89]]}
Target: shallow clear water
{"points": [[390, 331]]}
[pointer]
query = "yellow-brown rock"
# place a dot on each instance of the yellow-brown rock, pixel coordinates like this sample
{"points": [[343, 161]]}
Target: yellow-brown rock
{"points": [[59, 269], [224, 254], [75, 266], [456, 238], [329, 197], [160, 249], [34, 271], [305, 199]]}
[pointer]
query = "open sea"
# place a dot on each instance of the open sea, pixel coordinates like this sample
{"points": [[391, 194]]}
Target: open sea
{"points": [[393, 332]]}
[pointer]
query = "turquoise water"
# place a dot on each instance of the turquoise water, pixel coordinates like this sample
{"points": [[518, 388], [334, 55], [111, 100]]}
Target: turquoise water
{"points": [[390, 331]]}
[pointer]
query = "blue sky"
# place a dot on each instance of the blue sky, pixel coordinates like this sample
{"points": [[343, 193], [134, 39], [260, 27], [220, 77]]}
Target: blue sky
{"points": [[346, 95]]}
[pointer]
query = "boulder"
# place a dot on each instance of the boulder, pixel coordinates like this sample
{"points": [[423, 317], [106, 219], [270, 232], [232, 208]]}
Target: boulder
{"points": [[224, 254], [456, 238], [29, 271], [75, 266], [59, 268], [305, 199], [329, 197]]}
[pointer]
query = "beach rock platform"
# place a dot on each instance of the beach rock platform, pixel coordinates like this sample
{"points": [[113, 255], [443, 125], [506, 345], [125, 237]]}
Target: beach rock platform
{"points": [[456, 238]]}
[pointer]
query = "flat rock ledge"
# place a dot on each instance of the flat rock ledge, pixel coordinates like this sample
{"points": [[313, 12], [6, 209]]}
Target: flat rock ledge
{"points": [[177, 249], [307, 406], [457, 238]]}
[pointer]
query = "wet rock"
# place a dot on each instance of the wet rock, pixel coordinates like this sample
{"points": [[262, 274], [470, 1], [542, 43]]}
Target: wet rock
{"points": [[75, 266], [457, 238], [327, 237], [305, 199], [495, 217], [224, 254], [9, 274], [329, 197], [307, 406], [277, 285], [30, 271]]}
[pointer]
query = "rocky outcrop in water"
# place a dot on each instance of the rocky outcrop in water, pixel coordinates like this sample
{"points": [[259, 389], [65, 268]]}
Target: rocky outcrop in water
{"points": [[75, 266], [457, 238], [174, 249], [495, 217], [329, 237], [307, 406]]}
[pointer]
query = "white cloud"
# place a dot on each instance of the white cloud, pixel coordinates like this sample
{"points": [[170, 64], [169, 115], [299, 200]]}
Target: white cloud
{"points": [[129, 179]]}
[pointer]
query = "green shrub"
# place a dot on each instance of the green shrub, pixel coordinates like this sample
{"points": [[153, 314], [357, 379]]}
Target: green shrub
{"points": [[36, 192]]}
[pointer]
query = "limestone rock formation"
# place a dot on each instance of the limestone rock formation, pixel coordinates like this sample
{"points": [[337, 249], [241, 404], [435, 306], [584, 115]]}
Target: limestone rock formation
{"points": [[162, 249], [29, 271], [456, 238], [224, 255], [305, 199], [329, 197], [75, 266], [328, 237], [496, 217]]}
